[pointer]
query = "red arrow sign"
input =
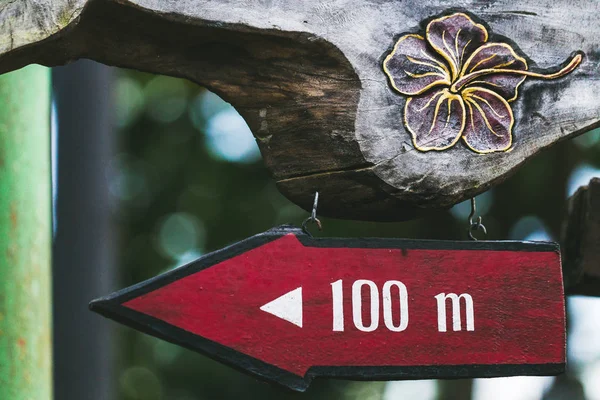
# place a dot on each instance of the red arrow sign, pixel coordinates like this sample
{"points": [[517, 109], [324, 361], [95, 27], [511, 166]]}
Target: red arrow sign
{"points": [[288, 308]]}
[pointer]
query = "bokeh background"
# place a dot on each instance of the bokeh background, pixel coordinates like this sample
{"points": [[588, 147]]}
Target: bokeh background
{"points": [[151, 172]]}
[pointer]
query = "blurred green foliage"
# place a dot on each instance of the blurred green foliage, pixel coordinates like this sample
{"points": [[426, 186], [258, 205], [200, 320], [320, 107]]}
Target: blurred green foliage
{"points": [[188, 180]]}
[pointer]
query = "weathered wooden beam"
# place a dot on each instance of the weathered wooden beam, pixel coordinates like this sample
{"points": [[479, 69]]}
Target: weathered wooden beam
{"points": [[581, 241], [309, 79]]}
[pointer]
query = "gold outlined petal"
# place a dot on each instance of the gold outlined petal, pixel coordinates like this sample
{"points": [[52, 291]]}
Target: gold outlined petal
{"points": [[476, 134], [411, 70], [464, 29], [496, 57], [439, 124], [491, 45]]}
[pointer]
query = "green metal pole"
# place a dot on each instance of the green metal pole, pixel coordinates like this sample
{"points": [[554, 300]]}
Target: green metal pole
{"points": [[25, 235]]}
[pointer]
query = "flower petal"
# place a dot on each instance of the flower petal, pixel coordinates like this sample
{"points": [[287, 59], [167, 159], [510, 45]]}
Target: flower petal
{"points": [[492, 56], [412, 68], [455, 37], [489, 121], [435, 119]]}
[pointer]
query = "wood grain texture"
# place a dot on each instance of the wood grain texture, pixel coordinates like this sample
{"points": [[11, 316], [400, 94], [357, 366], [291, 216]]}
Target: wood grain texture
{"points": [[215, 305], [308, 79], [581, 241]]}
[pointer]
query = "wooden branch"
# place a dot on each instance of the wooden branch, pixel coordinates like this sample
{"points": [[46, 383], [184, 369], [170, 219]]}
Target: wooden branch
{"points": [[309, 79], [581, 241]]}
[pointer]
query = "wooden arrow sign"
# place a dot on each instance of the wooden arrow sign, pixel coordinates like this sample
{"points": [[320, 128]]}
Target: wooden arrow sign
{"points": [[287, 308]]}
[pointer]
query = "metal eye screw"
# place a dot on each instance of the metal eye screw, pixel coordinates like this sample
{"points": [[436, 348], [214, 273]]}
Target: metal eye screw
{"points": [[475, 226], [313, 217]]}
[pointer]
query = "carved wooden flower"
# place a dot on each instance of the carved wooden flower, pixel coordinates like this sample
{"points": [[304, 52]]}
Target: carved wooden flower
{"points": [[460, 85]]}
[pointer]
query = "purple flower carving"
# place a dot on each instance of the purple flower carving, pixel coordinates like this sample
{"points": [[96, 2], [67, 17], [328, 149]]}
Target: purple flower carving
{"points": [[459, 85]]}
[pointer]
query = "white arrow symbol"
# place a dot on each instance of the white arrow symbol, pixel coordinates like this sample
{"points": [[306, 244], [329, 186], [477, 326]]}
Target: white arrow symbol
{"points": [[287, 307]]}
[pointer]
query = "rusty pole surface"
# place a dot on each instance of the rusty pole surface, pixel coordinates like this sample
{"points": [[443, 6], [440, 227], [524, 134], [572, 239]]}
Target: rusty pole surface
{"points": [[25, 235]]}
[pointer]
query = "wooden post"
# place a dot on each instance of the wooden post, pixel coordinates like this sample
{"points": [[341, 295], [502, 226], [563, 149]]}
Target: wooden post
{"points": [[83, 258], [581, 241], [25, 235]]}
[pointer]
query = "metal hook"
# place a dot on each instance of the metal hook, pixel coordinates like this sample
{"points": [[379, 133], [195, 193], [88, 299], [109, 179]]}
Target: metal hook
{"points": [[475, 226], [313, 217]]}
